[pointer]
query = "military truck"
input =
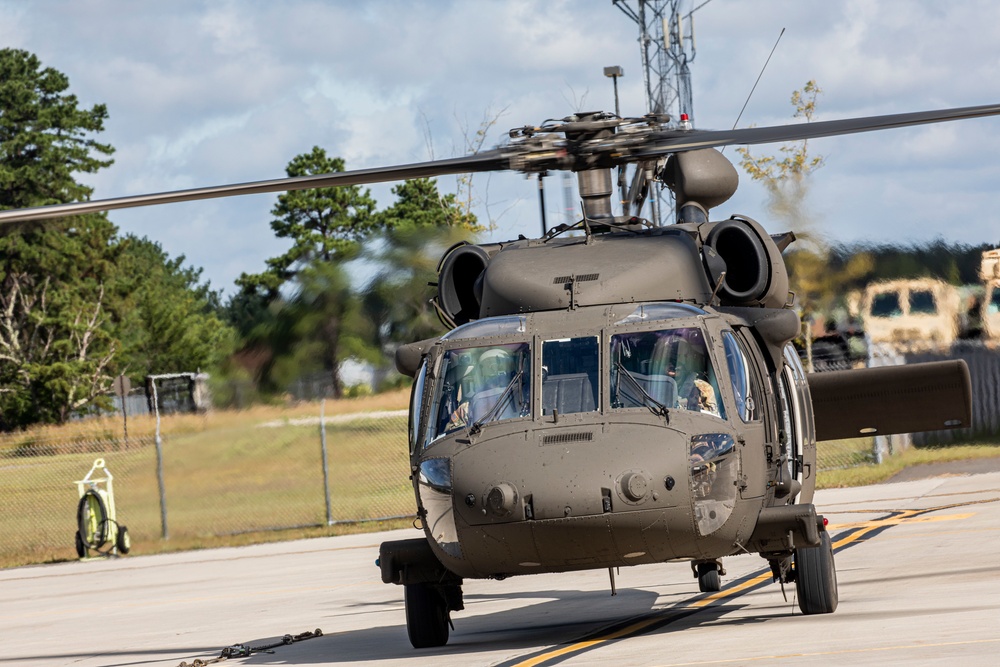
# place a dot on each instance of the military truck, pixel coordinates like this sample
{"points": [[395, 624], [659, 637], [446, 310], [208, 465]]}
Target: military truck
{"points": [[916, 315]]}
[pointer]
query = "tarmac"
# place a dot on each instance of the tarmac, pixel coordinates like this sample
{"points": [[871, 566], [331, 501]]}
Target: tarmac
{"points": [[917, 562]]}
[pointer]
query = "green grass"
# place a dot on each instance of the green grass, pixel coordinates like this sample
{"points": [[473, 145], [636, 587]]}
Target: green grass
{"points": [[873, 474], [225, 485], [231, 482]]}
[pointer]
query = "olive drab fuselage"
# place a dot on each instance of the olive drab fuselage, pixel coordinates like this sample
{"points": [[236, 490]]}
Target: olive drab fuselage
{"points": [[586, 472]]}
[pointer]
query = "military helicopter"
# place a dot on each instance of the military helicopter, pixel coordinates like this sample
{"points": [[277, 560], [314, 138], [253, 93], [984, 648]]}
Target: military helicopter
{"points": [[616, 393]]}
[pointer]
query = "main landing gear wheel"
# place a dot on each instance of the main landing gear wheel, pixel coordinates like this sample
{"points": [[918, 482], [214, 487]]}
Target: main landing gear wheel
{"points": [[816, 577], [709, 580], [426, 615]]}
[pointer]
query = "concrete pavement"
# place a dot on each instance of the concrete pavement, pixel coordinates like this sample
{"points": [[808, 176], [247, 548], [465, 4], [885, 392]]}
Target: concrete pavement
{"points": [[918, 564]]}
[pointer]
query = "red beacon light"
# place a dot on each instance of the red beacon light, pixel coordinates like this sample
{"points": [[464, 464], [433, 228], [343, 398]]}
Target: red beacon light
{"points": [[685, 123]]}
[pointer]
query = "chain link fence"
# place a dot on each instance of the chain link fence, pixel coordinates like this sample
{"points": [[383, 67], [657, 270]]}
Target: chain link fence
{"points": [[226, 473], [984, 370], [222, 475]]}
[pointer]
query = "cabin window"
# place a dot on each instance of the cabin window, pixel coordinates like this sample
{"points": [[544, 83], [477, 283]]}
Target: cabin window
{"points": [[922, 303], [477, 385], [739, 374], [664, 369], [570, 375], [886, 304]]}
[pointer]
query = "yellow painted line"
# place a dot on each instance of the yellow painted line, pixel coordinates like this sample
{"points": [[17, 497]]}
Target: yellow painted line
{"points": [[580, 646], [860, 531], [846, 651], [640, 625], [895, 521], [858, 534]]}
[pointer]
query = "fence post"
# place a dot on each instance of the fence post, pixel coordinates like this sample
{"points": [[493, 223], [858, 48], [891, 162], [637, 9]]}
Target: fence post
{"points": [[326, 471], [159, 466]]}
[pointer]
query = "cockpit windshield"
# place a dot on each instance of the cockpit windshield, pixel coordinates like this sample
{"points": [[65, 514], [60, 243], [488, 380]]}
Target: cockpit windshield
{"points": [[664, 369], [476, 385]]}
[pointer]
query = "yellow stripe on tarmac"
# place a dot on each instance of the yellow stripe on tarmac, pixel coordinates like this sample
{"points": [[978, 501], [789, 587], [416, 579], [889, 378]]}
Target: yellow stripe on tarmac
{"points": [[895, 521], [641, 625], [580, 646], [861, 529]]}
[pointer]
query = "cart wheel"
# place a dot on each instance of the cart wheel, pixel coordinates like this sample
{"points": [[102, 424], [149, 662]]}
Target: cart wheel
{"points": [[92, 517], [123, 541], [81, 550]]}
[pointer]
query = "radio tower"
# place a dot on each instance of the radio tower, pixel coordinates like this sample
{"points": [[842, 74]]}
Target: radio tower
{"points": [[666, 43]]}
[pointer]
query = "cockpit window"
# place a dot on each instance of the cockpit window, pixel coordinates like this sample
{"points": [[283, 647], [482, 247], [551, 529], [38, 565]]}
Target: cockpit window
{"points": [[476, 385], [569, 375], [664, 369], [660, 311], [739, 373], [489, 326], [417, 395]]}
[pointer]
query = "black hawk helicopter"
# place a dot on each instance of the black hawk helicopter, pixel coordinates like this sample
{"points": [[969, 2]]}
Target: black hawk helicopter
{"points": [[625, 393]]}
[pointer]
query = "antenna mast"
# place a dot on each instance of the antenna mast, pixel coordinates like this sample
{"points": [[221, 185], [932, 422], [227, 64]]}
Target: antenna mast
{"points": [[667, 46]]}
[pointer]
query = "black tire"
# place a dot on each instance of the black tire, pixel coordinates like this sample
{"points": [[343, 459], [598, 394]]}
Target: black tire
{"points": [[123, 541], [81, 548], [92, 519], [708, 578], [426, 616], [816, 577]]}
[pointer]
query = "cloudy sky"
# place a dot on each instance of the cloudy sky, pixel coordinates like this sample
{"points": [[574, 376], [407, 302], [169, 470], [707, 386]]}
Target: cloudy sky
{"points": [[211, 92]]}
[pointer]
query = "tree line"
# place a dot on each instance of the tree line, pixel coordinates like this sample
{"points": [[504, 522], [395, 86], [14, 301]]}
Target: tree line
{"points": [[81, 303]]}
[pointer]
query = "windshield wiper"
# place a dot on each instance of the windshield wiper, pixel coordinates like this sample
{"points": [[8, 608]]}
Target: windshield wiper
{"points": [[656, 407], [491, 414]]}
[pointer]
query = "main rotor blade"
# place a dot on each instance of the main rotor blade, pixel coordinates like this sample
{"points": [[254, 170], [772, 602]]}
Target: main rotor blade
{"points": [[485, 161], [674, 141]]}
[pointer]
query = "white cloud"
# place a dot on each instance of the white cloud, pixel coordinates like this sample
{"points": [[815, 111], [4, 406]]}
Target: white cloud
{"points": [[204, 92]]}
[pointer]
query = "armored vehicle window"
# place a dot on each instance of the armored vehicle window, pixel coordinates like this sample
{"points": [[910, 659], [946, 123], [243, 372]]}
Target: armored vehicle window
{"points": [[922, 303], [569, 375], [476, 385], [994, 303], [886, 304], [739, 373], [669, 368]]}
